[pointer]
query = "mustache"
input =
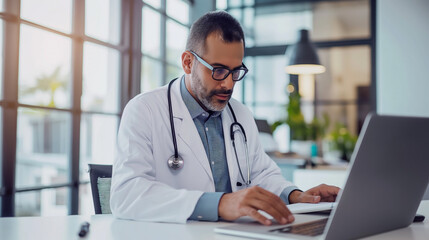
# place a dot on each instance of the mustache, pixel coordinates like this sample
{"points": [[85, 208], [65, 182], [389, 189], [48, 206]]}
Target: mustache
{"points": [[221, 91]]}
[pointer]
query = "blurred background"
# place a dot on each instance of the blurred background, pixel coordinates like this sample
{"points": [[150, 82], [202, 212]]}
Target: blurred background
{"points": [[67, 69]]}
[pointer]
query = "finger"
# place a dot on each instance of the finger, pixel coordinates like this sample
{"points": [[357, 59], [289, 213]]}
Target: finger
{"points": [[253, 213], [279, 214], [324, 191], [273, 205], [307, 198], [279, 206], [330, 194]]}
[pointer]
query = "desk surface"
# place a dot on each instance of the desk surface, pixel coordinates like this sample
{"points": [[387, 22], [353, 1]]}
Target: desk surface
{"points": [[106, 227]]}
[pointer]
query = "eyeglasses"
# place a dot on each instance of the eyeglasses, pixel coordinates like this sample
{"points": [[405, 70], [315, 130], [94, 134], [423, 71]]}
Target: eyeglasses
{"points": [[220, 73]]}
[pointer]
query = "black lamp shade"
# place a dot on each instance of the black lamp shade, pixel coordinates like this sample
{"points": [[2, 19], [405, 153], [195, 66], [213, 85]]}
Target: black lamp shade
{"points": [[303, 57]]}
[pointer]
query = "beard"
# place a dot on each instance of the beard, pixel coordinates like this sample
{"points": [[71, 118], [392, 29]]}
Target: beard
{"points": [[207, 98]]}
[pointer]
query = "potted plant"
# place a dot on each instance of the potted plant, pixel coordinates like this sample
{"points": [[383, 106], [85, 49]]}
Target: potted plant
{"points": [[304, 137], [339, 144]]}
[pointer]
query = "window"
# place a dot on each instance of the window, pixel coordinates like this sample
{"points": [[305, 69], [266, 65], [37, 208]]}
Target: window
{"points": [[100, 90], [102, 20], [47, 81], [342, 31], [43, 147], [68, 78], [165, 28], [74, 72], [49, 13]]}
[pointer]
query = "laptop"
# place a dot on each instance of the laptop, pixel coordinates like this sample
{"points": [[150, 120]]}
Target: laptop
{"points": [[387, 177]]}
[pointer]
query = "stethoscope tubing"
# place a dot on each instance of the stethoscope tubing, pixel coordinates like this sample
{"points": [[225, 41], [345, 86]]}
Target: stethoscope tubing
{"points": [[178, 162]]}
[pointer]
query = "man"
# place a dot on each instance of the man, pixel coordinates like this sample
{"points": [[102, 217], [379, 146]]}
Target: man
{"points": [[218, 178]]}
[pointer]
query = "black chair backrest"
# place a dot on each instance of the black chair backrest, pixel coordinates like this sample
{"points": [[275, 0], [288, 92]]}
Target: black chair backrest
{"points": [[97, 171]]}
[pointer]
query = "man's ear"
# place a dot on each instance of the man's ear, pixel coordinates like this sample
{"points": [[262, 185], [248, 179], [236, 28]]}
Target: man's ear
{"points": [[187, 58]]}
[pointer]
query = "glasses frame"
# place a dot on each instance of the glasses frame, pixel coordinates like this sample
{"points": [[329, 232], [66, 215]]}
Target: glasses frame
{"points": [[213, 69]]}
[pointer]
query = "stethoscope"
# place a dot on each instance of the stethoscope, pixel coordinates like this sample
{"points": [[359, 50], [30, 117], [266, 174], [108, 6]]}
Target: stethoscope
{"points": [[176, 162]]}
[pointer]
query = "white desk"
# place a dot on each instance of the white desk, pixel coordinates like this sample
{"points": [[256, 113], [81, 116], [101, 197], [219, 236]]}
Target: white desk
{"points": [[104, 227]]}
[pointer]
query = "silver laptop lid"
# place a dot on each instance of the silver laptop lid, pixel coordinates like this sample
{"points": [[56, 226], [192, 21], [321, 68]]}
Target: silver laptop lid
{"points": [[387, 180]]}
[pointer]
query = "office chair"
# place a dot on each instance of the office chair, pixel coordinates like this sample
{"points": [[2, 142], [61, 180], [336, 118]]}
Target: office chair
{"points": [[100, 177]]}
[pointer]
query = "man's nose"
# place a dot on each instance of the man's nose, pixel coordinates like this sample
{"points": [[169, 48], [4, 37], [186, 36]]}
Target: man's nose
{"points": [[228, 83]]}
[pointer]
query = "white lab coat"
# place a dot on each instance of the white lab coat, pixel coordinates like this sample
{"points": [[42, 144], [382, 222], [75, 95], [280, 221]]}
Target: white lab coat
{"points": [[145, 188]]}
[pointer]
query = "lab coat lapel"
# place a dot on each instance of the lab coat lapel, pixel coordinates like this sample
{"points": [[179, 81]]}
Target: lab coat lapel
{"points": [[186, 130], [227, 120]]}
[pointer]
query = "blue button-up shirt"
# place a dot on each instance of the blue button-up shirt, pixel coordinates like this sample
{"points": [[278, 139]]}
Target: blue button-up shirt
{"points": [[209, 127]]}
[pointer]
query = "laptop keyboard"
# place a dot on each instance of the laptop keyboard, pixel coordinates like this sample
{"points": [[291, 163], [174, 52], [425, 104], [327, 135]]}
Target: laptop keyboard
{"points": [[313, 228]]}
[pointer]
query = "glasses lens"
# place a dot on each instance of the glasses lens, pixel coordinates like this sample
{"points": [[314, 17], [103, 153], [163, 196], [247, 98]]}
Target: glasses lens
{"points": [[220, 73], [238, 74]]}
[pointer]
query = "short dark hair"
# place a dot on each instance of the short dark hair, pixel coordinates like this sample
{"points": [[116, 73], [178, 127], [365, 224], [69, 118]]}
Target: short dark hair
{"points": [[217, 21]]}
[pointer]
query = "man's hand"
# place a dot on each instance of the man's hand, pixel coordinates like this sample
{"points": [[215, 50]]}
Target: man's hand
{"points": [[321, 193], [248, 201]]}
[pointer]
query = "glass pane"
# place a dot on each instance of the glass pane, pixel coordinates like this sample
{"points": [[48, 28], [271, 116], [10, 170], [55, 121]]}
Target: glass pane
{"points": [[328, 20], [238, 90], [178, 10], [341, 20], [100, 90], [47, 202], [1, 56], [153, 3], [86, 205], [271, 16], [270, 79], [50, 13], [221, 4], [248, 21], [249, 2], [151, 74], [249, 91], [347, 68], [151, 32], [103, 20], [42, 147], [235, 3], [176, 42], [97, 141], [44, 68], [174, 72], [236, 13]]}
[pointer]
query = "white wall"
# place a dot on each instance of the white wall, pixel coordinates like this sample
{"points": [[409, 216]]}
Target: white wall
{"points": [[403, 57]]}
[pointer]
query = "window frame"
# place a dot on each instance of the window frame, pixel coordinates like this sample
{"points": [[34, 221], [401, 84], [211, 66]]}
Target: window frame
{"points": [[131, 56]]}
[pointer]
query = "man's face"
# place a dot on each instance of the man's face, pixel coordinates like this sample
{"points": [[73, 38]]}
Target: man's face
{"points": [[211, 94]]}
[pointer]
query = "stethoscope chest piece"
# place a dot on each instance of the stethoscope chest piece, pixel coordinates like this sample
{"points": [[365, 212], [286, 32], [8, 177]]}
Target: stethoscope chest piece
{"points": [[175, 163]]}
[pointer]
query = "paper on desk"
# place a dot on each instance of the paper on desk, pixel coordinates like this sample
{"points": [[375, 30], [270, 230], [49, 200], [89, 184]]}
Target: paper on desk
{"points": [[311, 207], [305, 208]]}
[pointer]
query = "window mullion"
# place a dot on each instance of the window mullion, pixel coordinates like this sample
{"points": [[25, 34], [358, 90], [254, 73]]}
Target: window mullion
{"points": [[77, 67], [10, 98], [132, 60], [164, 43]]}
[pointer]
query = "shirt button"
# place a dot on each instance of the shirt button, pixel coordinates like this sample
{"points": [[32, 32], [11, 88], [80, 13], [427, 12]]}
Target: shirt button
{"points": [[212, 162], [207, 129]]}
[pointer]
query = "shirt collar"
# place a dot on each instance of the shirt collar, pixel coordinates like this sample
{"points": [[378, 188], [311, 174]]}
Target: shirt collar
{"points": [[194, 108]]}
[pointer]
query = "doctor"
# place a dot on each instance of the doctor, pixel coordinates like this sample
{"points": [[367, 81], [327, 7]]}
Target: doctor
{"points": [[187, 151]]}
